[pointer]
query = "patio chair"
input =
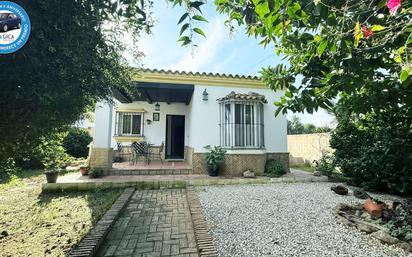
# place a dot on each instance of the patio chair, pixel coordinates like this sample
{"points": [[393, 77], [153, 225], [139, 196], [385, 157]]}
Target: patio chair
{"points": [[121, 153], [140, 149], [157, 154]]}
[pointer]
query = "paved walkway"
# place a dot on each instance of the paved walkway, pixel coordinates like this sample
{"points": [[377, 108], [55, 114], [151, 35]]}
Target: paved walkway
{"points": [[154, 223]]}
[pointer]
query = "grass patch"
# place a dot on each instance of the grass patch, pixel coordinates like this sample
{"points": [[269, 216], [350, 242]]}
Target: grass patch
{"points": [[304, 166], [40, 224]]}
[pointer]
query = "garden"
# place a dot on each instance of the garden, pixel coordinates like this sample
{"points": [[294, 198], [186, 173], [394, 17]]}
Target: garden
{"points": [[41, 224], [351, 58]]}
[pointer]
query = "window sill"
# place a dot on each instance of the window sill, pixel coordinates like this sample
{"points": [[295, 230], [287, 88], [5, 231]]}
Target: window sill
{"points": [[245, 150], [128, 138]]}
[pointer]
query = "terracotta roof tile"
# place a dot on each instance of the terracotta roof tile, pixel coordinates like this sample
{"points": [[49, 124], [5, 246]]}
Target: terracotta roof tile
{"points": [[210, 74], [251, 96]]}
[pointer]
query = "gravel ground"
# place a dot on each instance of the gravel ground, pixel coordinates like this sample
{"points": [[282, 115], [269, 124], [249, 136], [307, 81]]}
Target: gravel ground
{"points": [[285, 220]]}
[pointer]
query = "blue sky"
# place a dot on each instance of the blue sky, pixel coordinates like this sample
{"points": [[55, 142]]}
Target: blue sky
{"points": [[220, 51]]}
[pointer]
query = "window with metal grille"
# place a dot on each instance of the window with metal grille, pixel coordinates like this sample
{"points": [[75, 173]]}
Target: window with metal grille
{"points": [[241, 124], [129, 124]]}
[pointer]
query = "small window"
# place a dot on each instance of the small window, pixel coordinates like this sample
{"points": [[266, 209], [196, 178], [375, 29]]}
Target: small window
{"points": [[129, 124]]}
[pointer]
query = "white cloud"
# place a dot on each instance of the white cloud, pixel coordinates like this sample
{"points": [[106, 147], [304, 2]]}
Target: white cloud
{"points": [[207, 49]]}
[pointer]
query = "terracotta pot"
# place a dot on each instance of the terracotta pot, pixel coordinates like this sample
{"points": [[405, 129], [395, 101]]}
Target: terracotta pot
{"points": [[374, 209], [84, 171]]}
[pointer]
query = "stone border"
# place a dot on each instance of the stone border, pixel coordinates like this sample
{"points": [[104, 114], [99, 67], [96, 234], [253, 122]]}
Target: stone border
{"points": [[204, 240], [374, 230], [160, 184], [91, 242]]}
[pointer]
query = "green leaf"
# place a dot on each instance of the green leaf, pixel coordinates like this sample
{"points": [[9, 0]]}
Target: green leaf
{"points": [[404, 75], [375, 28], [184, 16], [199, 18], [184, 27], [199, 31], [196, 5], [322, 47]]}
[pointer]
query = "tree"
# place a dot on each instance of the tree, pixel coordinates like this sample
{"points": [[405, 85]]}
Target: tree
{"points": [[355, 52], [295, 126], [72, 59], [375, 150]]}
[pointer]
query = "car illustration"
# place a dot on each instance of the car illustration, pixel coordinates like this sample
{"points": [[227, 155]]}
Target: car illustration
{"points": [[9, 21]]}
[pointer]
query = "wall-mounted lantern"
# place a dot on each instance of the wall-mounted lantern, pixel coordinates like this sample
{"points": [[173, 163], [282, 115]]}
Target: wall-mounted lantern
{"points": [[148, 121], [157, 107], [205, 95]]}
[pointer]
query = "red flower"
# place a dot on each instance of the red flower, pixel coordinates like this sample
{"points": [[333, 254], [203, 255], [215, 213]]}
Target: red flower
{"points": [[366, 32], [393, 6]]}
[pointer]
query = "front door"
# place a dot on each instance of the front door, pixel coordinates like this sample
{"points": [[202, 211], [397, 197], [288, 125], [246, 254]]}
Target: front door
{"points": [[175, 136]]}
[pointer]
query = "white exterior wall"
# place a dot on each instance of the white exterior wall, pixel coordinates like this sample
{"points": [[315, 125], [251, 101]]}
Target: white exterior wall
{"points": [[201, 120], [155, 133], [102, 134], [205, 121]]}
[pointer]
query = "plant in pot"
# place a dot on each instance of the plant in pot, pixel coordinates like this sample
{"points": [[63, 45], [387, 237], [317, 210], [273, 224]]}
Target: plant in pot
{"points": [[84, 170], [214, 158], [52, 166]]}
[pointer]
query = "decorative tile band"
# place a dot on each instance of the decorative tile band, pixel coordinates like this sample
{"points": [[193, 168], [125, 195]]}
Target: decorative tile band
{"points": [[89, 245], [204, 240]]}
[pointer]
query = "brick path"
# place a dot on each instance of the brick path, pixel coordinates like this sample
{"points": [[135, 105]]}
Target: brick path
{"points": [[154, 223]]}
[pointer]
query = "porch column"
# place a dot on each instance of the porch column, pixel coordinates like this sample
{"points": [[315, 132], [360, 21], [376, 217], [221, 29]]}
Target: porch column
{"points": [[101, 153]]}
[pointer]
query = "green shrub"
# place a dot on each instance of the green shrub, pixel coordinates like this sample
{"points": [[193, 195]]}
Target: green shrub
{"points": [[95, 172], [375, 150], [215, 156], [274, 168], [76, 141], [326, 164], [49, 153]]}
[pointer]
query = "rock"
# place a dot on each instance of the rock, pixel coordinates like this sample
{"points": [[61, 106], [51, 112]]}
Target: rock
{"points": [[249, 174], [317, 173], [340, 190], [385, 237], [367, 228], [365, 215], [3, 234], [361, 194], [405, 246]]}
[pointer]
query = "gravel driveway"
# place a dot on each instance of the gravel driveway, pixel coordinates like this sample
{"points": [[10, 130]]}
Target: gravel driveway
{"points": [[285, 220]]}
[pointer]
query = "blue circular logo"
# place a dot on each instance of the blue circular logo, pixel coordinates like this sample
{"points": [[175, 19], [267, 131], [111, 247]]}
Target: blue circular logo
{"points": [[14, 27]]}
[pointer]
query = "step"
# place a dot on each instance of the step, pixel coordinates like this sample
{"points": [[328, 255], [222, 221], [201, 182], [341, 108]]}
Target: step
{"points": [[137, 172]]}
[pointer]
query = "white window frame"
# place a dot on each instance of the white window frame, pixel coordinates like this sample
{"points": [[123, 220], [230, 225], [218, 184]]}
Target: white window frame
{"points": [[119, 123]]}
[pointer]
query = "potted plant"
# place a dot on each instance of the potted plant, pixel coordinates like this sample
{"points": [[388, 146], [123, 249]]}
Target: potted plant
{"points": [[214, 158], [374, 207], [51, 175], [52, 165], [84, 170]]}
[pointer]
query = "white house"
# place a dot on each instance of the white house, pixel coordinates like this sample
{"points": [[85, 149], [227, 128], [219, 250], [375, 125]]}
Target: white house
{"points": [[188, 111]]}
